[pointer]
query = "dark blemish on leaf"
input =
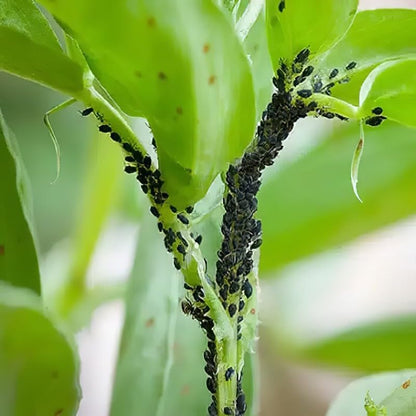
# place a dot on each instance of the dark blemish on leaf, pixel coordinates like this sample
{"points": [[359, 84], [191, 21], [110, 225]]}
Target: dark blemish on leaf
{"points": [[138, 74], [333, 73], [55, 374], [252, 311], [212, 79], [162, 75], [179, 110], [87, 111], [58, 412], [2, 249], [206, 48], [150, 322], [282, 6], [104, 128], [273, 21], [406, 384], [375, 121], [151, 22]]}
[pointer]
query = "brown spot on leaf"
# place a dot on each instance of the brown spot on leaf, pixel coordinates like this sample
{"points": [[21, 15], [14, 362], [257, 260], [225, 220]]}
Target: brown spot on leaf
{"points": [[253, 311], [212, 79], [206, 48], [2, 250], [406, 384], [138, 74], [150, 322], [185, 390], [162, 75], [151, 22], [179, 110], [55, 374], [58, 412]]}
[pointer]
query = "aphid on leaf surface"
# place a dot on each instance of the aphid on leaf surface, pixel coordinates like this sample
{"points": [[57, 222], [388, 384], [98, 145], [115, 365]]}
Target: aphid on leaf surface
{"points": [[375, 121], [232, 309], [305, 93], [116, 137], [128, 147], [173, 209], [307, 71], [248, 289], [177, 266], [257, 243], [351, 65], [229, 373], [302, 56], [104, 128], [155, 212], [189, 209], [333, 73], [129, 159], [212, 410], [211, 385], [188, 309], [160, 226], [198, 239], [130, 169], [241, 305], [282, 6], [317, 86], [241, 403], [147, 161], [228, 411], [87, 111], [377, 110], [183, 219]]}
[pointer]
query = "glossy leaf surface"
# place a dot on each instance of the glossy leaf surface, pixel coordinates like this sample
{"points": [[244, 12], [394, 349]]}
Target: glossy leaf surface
{"points": [[38, 366], [30, 49], [402, 401], [392, 88], [351, 400], [293, 25], [374, 37], [320, 181], [197, 95], [16, 240]]}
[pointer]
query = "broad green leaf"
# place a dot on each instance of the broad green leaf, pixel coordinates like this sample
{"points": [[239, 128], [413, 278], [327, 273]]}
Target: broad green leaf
{"points": [[402, 402], [320, 181], [16, 240], [351, 400], [30, 49], [392, 88], [197, 95], [387, 344], [293, 25], [374, 37], [147, 344], [38, 365]]}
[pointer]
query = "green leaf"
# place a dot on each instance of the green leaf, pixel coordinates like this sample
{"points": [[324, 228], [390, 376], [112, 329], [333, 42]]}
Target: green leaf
{"points": [[351, 400], [293, 25], [392, 88], [146, 350], [16, 240], [374, 37], [38, 365], [30, 49], [402, 402], [387, 344], [320, 181], [176, 90]]}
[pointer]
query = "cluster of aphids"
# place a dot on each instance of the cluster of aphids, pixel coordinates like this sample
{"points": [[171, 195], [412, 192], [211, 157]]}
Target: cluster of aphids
{"points": [[377, 118], [292, 78]]}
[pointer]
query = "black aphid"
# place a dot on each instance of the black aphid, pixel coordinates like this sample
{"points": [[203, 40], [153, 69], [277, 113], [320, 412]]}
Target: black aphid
{"points": [[189, 209], [154, 143], [183, 219], [234, 287], [129, 159], [87, 111], [130, 169], [241, 305], [377, 110], [147, 161], [173, 209], [176, 263], [104, 128], [351, 65], [181, 249], [229, 373], [241, 403], [257, 243], [302, 56], [375, 121], [145, 189], [307, 71], [228, 411], [198, 239], [212, 410], [155, 212], [248, 289], [160, 226], [333, 73], [211, 385], [128, 147], [116, 137], [232, 309], [282, 6], [304, 93]]}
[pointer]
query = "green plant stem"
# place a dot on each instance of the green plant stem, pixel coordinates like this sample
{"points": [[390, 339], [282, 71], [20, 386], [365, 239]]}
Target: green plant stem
{"points": [[337, 106]]}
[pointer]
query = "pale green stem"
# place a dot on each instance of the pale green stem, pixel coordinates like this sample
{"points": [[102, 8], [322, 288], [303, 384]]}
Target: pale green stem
{"points": [[249, 17], [336, 105]]}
